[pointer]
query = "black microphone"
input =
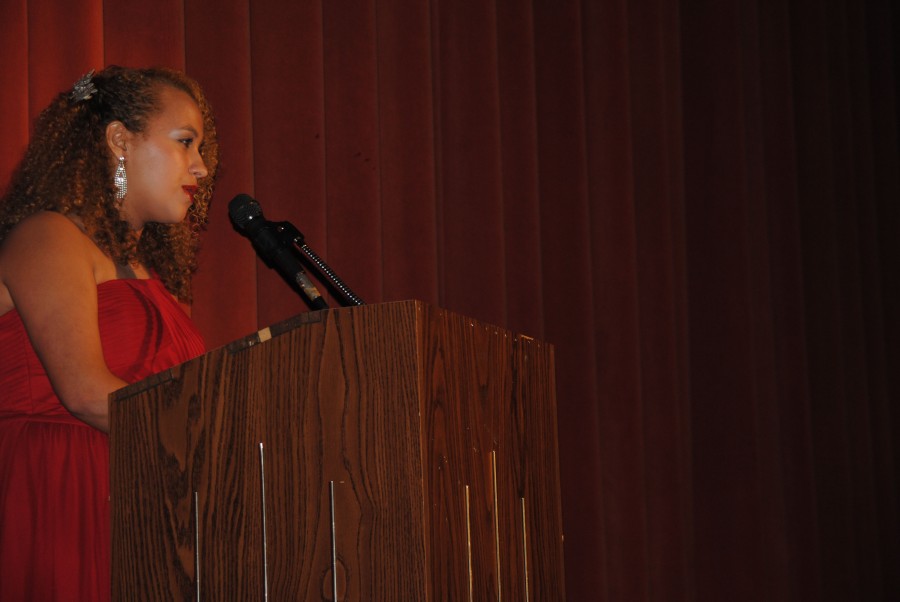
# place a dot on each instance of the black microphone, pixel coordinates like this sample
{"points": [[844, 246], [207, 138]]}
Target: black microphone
{"points": [[272, 245]]}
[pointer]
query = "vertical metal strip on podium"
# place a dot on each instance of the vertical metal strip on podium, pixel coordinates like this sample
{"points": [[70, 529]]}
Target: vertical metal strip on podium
{"points": [[469, 543], [333, 543], [265, 551], [496, 523], [525, 546], [197, 546]]}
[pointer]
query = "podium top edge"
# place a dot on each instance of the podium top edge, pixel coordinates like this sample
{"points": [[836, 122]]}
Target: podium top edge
{"points": [[413, 306]]}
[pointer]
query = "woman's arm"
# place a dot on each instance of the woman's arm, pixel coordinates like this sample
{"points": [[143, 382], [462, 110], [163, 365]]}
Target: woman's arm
{"points": [[50, 269]]}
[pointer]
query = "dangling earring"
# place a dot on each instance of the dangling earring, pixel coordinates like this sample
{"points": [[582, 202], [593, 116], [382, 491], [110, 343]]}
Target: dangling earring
{"points": [[120, 179]]}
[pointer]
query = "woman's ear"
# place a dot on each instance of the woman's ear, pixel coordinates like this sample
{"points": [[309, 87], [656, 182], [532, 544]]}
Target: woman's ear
{"points": [[117, 137]]}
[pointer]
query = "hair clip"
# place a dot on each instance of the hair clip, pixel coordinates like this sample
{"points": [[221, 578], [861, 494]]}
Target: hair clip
{"points": [[84, 88]]}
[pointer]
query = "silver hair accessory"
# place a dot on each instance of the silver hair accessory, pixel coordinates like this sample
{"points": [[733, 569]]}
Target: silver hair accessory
{"points": [[120, 179], [84, 88]]}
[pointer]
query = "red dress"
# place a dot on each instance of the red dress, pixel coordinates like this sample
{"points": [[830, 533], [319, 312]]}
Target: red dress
{"points": [[54, 469]]}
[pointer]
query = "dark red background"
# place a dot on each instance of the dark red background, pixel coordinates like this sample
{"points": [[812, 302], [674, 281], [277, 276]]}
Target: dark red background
{"points": [[695, 201]]}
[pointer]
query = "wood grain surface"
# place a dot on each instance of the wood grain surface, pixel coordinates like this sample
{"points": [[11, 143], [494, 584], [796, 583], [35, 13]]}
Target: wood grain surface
{"points": [[425, 431]]}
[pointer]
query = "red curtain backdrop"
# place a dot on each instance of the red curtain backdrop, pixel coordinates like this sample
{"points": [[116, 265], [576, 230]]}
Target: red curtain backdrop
{"points": [[696, 202]]}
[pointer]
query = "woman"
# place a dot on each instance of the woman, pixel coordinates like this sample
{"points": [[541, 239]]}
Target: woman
{"points": [[98, 230]]}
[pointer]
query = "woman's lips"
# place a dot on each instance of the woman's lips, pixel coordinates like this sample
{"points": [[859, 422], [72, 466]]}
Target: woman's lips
{"points": [[191, 191]]}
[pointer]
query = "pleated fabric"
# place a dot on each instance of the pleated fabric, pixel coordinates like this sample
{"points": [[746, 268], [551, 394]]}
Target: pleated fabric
{"points": [[54, 469]]}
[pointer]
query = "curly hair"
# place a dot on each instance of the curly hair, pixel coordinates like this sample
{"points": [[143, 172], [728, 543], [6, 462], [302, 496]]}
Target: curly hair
{"points": [[67, 168]]}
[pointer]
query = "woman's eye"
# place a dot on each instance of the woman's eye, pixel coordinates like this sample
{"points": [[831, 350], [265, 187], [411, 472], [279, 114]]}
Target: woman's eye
{"points": [[187, 142]]}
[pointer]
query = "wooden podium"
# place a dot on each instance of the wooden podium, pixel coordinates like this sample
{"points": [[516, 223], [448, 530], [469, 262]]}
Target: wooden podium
{"points": [[385, 452]]}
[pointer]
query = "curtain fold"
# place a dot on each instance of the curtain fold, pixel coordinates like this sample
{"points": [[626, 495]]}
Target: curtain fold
{"points": [[14, 102], [218, 55], [695, 201], [288, 118]]}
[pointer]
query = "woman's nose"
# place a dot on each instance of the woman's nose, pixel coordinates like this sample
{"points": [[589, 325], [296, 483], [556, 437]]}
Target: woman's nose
{"points": [[198, 168]]}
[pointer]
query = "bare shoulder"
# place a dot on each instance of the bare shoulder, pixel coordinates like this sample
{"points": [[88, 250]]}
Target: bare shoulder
{"points": [[39, 226], [44, 230], [42, 246], [44, 241]]}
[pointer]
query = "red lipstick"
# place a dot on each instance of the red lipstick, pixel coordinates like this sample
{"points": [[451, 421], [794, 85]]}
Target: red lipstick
{"points": [[191, 191]]}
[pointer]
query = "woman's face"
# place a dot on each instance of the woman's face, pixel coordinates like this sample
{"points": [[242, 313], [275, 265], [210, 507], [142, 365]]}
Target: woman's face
{"points": [[163, 162]]}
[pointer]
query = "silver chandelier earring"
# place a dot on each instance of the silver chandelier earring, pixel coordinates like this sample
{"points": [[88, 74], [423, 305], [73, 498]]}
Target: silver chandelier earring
{"points": [[120, 179]]}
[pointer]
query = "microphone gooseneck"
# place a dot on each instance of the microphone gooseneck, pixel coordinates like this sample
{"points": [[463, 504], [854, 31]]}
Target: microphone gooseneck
{"points": [[279, 244]]}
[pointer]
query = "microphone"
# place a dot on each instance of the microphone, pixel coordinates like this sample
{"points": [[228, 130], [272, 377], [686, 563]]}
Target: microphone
{"points": [[273, 245]]}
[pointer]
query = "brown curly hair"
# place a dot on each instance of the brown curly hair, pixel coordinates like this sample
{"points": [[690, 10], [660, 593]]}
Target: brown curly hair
{"points": [[67, 168]]}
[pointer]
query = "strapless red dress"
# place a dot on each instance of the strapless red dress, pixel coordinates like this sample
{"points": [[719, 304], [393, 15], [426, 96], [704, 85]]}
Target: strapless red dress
{"points": [[54, 469]]}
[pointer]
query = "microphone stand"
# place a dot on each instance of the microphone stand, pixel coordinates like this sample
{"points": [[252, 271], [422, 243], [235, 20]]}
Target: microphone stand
{"points": [[289, 234]]}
